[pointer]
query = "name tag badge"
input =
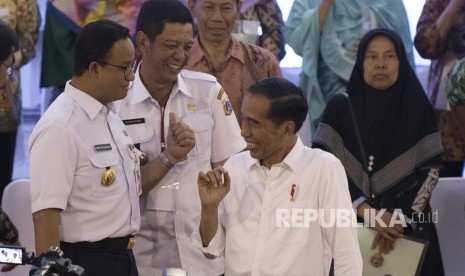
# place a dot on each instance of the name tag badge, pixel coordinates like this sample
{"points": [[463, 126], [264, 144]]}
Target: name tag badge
{"points": [[102, 147], [134, 121]]}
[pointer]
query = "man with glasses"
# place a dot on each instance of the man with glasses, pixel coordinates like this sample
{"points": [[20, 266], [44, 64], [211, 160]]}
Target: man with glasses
{"points": [[171, 211], [84, 168]]}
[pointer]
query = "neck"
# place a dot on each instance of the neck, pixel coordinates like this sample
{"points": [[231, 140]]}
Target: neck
{"points": [[80, 82], [216, 52], [279, 156], [159, 90]]}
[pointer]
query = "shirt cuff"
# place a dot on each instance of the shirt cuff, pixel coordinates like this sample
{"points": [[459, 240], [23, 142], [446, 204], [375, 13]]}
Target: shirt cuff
{"points": [[358, 201], [216, 246]]}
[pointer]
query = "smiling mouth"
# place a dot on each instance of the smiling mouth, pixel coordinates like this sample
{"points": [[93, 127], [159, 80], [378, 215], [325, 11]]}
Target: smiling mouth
{"points": [[217, 30], [174, 67], [251, 146]]}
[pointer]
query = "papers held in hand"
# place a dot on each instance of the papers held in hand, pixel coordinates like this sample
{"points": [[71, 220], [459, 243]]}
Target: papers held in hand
{"points": [[405, 260]]}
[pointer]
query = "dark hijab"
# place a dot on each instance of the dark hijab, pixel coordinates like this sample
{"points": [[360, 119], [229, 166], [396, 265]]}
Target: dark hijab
{"points": [[396, 125]]}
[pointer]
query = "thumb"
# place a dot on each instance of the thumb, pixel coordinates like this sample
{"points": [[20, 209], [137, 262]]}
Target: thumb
{"points": [[172, 119]]}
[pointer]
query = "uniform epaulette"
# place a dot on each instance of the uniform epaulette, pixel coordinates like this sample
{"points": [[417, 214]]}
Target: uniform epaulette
{"points": [[197, 75]]}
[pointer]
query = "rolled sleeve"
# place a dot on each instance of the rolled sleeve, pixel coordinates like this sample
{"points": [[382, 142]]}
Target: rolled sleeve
{"points": [[216, 246]]}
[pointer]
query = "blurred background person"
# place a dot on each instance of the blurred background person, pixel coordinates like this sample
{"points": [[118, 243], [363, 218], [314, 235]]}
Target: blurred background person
{"points": [[23, 17], [8, 44], [455, 89], [326, 34], [395, 163], [234, 63], [441, 37], [260, 22], [267, 15]]}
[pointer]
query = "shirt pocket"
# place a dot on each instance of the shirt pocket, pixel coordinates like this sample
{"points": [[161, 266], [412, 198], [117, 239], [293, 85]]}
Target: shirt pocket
{"points": [[202, 125], [140, 133], [100, 162], [162, 197]]}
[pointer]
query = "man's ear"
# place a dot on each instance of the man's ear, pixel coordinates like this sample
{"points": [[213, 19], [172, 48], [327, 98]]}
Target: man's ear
{"points": [[142, 41], [93, 69], [289, 127]]}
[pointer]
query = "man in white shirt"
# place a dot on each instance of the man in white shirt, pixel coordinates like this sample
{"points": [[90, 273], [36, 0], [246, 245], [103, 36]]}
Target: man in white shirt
{"points": [[171, 211], [286, 207], [84, 168]]}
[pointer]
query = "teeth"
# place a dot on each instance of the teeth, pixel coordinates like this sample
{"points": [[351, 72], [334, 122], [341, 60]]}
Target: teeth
{"points": [[175, 67], [251, 146]]}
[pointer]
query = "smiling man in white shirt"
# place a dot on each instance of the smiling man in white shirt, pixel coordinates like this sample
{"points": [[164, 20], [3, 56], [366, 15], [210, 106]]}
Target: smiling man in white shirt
{"points": [[283, 207], [171, 210]]}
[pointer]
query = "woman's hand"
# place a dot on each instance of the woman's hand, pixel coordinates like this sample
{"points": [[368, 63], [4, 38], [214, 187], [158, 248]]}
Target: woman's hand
{"points": [[387, 233], [387, 229]]}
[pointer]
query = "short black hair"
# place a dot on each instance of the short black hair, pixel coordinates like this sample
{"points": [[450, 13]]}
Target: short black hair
{"points": [[154, 14], [95, 41], [8, 41], [288, 102]]}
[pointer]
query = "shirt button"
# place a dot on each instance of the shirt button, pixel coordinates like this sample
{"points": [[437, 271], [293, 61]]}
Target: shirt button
{"points": [[179, 237], [177, 213]]}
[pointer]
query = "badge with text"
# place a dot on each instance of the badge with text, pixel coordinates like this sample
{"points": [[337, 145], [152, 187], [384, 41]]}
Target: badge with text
{"points": [[108, 177], [134, 121], [102, 147]]}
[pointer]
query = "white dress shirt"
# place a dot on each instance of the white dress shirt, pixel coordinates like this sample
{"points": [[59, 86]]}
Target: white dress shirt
{"points": [[171, 211], [249, 235], [70, 148]]}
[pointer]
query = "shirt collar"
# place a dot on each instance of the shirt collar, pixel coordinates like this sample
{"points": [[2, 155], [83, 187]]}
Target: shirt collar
{"points": [[140, 92], [292, 159], [89, 104], [197, 52]]}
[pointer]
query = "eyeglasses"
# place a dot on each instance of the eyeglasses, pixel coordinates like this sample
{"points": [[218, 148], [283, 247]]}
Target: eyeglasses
{"points": [[9, 68], [127, 69]]}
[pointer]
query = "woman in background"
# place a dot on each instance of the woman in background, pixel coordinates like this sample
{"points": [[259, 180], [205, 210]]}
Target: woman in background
{"points": [[8, 43], [441, 38], [23, 18], [326, 34], [394, 164]]}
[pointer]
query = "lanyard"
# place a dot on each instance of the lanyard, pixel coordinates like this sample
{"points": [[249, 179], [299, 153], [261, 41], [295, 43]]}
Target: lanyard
{"points": [[162, 125]]}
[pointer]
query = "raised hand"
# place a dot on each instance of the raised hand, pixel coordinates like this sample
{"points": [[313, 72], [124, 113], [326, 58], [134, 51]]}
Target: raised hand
{"points": [[213, 187], [179, 141]]}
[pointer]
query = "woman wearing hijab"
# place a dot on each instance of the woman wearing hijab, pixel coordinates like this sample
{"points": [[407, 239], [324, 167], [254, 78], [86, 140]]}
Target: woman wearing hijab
{"points": [[326, 34], [389, 145]]}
